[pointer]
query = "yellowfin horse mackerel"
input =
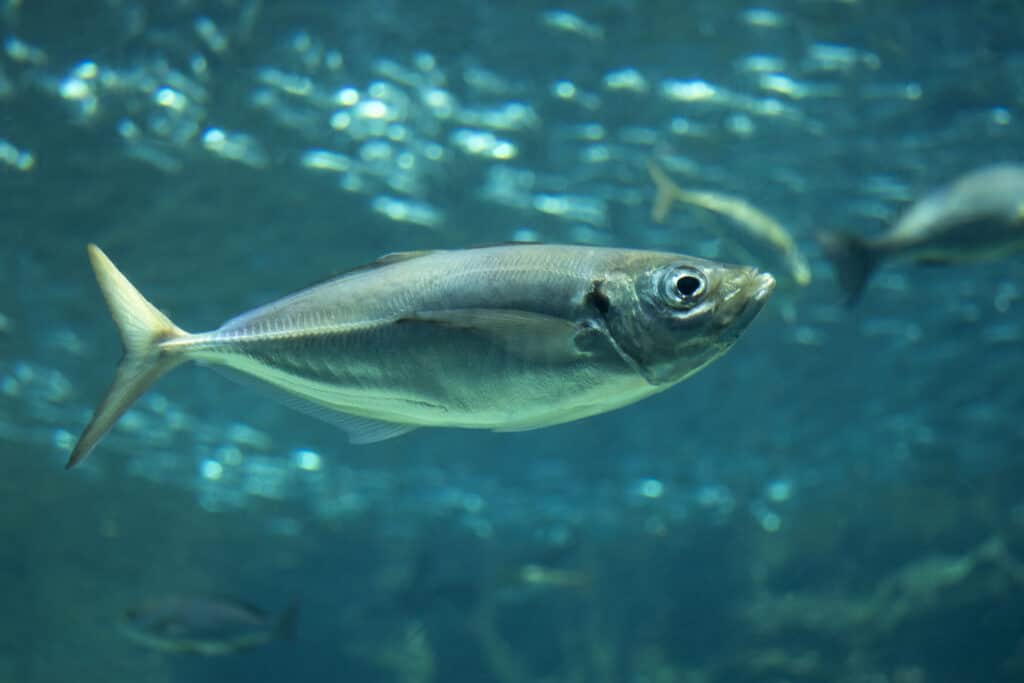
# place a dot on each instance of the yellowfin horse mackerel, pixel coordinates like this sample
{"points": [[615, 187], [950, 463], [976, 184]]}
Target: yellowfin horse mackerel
{"points": [[507, 338]]}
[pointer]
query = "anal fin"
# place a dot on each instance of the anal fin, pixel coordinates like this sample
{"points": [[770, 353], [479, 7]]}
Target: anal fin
{"points": [[360, 430]]}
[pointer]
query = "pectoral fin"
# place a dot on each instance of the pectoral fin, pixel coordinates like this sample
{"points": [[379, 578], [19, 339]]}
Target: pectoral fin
{"points": [[535, 336]]}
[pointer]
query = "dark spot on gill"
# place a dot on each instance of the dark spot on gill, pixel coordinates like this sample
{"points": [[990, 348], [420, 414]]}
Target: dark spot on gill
{"points": [[597, 299]]}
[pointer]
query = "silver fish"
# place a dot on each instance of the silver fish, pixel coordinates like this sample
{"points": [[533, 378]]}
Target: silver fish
{"points": [[979, 216], [203, 625], [507, 338], [541, 576]]}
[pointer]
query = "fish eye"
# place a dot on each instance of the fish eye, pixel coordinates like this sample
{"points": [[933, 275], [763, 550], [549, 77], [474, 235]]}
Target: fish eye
{"points": [[689, 285], [684, 287]]}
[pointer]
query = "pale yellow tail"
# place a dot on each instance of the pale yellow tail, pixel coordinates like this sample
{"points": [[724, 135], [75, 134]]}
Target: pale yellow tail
{"points": [[142, 328], [665, 192]]}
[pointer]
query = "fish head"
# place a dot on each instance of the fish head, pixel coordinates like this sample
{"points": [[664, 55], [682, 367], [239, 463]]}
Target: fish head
{"points": [[685, 312], [151, 629]]}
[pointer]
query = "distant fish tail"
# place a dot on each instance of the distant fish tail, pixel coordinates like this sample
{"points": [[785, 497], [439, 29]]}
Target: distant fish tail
{"points": [[665, 192], [854, 261], [142, 328]]}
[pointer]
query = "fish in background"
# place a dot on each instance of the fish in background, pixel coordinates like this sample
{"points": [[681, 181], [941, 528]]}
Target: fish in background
{"points": [[533, 578], [508, 338], [204, 625], [977, 217], [537, 581], [754, 222], [542, 576]]}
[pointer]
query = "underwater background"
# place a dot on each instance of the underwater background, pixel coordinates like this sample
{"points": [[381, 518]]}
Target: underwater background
{"points": [[840, 498]]}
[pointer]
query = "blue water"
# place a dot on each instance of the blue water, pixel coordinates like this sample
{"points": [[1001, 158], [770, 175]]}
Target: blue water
{"points": [[839, 498]]}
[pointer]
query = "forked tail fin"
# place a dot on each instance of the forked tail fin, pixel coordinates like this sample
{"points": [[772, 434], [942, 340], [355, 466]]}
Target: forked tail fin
{"points": [[665, 192], [142, 328], [853, 259]]}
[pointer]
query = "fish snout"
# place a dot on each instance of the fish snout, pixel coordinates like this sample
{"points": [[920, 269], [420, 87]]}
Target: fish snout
{"points": [[762, 285], [759, 288], [749, 298]]}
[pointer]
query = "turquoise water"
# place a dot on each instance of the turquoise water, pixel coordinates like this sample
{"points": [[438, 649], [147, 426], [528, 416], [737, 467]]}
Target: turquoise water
{"points": [[837, 499]]}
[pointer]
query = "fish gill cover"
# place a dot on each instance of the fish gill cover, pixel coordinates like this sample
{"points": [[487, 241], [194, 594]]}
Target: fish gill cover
{"points": [[838, 499]]}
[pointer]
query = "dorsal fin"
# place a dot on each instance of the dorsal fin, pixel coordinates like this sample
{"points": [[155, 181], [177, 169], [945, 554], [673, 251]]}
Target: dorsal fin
{"points": [[505, 243], [385, 260], [399, 256], [395, 257]]}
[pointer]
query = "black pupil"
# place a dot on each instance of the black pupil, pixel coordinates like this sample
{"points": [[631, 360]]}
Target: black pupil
{"points": [[688, 285]]}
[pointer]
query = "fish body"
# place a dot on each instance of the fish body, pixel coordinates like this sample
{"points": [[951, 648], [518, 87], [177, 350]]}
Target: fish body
{"points": [[755, 222], [977, 217], [531, 579], [553, 577], [507, 338], [203, 625]]}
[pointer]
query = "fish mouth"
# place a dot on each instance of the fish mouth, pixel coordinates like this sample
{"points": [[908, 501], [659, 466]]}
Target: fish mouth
{"points": [[764, 285], [755, 293]]}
